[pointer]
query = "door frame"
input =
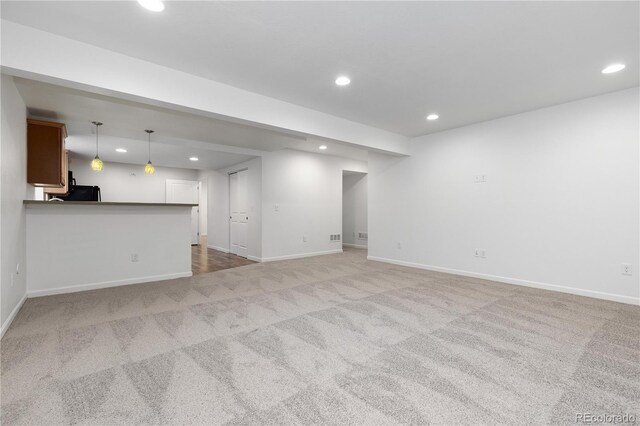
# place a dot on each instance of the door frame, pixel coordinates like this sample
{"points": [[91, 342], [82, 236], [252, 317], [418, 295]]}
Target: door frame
{"points": [[346, 172], [229, 204]]}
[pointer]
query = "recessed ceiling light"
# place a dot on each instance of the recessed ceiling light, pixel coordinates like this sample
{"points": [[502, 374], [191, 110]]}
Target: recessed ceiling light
{"points": [[343, 80], [152, 5], [121, 150], [432, 117], [193, 158], [322, 147], [613, 68]]}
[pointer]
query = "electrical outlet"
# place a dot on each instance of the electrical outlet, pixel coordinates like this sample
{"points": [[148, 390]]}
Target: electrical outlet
{"points": [[304, 238], [134, 257], [399, 246], [626, 269], [276, 208], [482, 253]]}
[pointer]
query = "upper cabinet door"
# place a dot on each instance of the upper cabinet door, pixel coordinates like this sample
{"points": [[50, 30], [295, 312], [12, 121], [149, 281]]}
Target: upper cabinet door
{"points": [[46, 153], [64, 189]]}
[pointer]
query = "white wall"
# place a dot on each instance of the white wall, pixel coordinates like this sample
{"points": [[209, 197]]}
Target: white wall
{"points": [[128, 182], [218, 207], [559, 208], [203, 204], [354, 209], [306, 190], [74, 248], [218, 210], [13, 190]]}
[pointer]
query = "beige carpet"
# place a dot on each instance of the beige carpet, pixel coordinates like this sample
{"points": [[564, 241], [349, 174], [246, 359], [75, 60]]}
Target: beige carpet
{"points": [[326, 340]]}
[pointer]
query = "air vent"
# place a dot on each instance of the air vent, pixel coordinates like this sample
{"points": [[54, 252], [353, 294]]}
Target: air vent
{"points": [[363, 236], [334, 237]]}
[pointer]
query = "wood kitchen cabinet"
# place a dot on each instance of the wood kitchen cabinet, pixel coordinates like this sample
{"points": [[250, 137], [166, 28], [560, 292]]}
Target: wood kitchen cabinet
{"points": [[46, 159], [63, 190]]}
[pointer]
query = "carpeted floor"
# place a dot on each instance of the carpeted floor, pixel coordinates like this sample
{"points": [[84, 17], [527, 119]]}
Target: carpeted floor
{"points": [[327, 340]]}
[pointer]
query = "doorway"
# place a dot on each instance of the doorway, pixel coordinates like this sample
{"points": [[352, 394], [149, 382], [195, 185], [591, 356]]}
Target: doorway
{"points": [[238, 212], [186, 192], [355, 232]]}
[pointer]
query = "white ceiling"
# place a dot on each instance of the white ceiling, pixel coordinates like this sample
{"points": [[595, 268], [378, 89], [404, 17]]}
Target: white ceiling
{"points": [[467, 61], [178, 136]]}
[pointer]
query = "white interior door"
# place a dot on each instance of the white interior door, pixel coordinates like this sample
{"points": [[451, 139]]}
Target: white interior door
{"points": [[239, 212], [186, 192]]}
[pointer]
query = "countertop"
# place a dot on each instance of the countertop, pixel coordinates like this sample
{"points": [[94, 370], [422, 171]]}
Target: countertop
{"points": [[103, 203]]}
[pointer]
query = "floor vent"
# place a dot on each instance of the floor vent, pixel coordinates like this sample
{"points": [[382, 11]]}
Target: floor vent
{"points": [[334, 237]]}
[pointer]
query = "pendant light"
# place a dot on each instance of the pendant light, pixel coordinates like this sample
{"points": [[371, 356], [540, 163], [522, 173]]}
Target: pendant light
{"points": [[96, 163], [149, 169]]}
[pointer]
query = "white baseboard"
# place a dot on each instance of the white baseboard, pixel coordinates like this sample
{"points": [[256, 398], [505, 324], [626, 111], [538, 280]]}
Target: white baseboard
{"points": [[358, 246], [516, 281], [255, 259], [12, 316], [222, 249], [300, 256], [105, 284]]}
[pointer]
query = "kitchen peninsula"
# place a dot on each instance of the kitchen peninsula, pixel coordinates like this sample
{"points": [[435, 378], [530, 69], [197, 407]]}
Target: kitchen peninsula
{"points": [[76, 246]]}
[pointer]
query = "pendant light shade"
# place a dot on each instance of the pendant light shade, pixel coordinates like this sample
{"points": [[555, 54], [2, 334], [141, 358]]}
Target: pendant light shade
{"points": [[149, 169], [96, 163]]}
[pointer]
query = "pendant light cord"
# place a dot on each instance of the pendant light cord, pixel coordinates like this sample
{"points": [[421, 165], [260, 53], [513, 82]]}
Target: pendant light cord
{"points": [[97, 124], [149, 133]]}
